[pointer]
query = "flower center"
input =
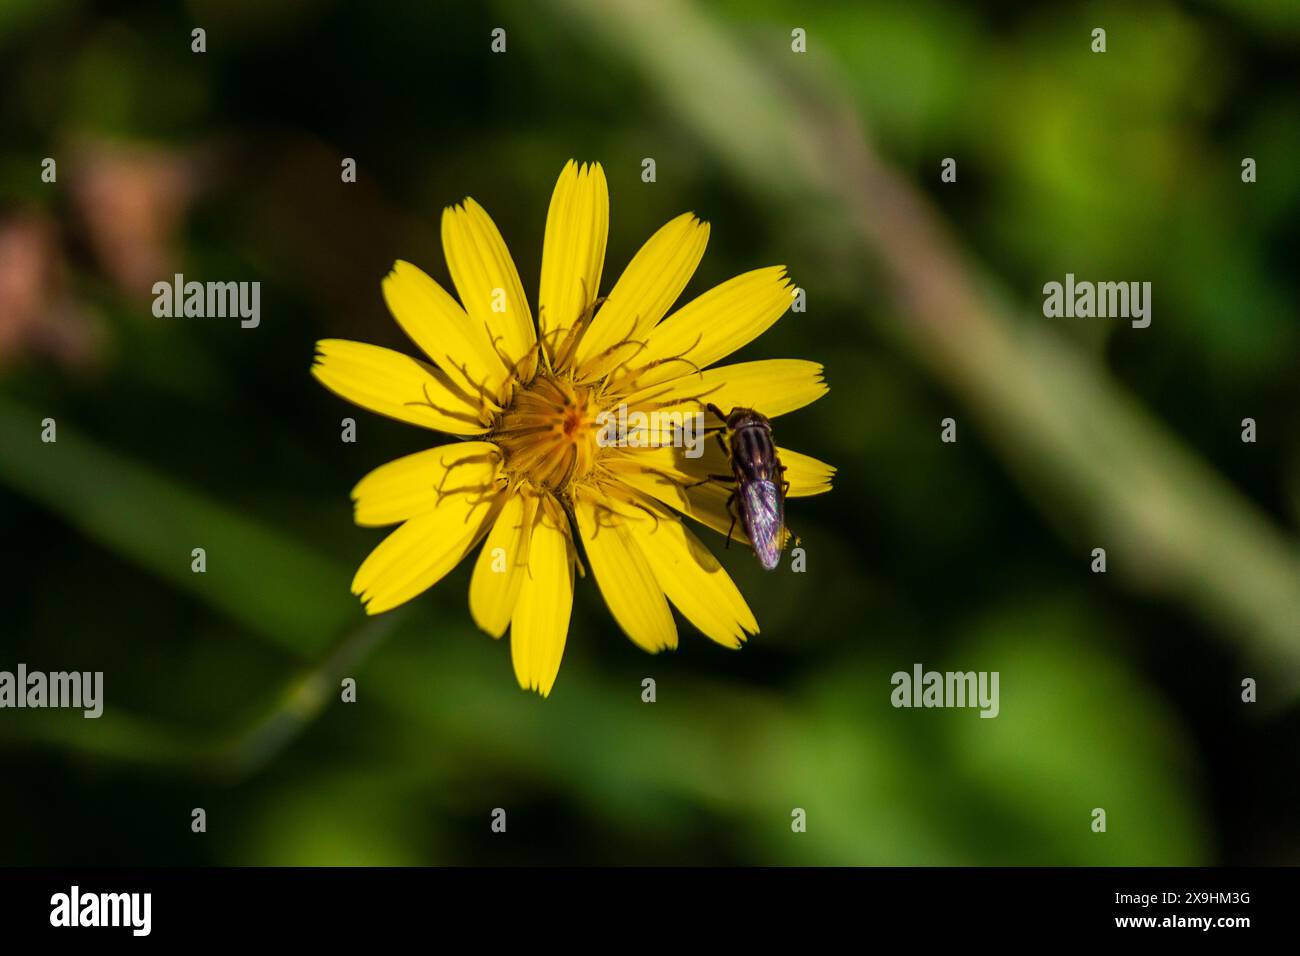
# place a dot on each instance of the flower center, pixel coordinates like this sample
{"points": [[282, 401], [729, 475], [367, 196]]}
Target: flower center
{"points": [[548, 434]]}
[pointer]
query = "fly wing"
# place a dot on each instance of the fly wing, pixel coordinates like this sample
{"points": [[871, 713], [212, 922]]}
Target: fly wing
{"points": [[762, 508]]}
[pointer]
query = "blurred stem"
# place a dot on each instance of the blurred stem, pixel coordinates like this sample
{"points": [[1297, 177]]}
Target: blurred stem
{"points": [[277, 588], [1063, 426], [302, 702], [229, 759], [281, 590]]}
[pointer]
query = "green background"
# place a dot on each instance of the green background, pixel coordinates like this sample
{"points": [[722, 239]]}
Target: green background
{"points": [[1120, 691]]}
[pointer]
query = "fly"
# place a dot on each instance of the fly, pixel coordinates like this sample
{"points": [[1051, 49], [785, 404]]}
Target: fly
{"points": [[759, 498]]}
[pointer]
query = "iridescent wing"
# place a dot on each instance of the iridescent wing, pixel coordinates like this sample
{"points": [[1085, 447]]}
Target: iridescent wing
{"points": [[762, 509]]}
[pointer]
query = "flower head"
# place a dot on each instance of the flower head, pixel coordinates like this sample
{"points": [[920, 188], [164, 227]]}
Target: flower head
{"points": [[543, 455]]}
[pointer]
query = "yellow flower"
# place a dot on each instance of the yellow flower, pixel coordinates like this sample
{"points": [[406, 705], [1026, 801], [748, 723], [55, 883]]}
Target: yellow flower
{"points": [[530, 473]]}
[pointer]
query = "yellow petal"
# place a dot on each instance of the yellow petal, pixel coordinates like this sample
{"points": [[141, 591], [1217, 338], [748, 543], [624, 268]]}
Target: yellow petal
{"points": [[573, 253], [625, 578], [395, 385], [712, 326], [694, 580], [419, 553], [807, 475], [672, 462], [488, 283], [642, 296], [502, 565], [439, 326], [540, 622], [414, 484], [706, 503], [679, 482], [772, 387]]}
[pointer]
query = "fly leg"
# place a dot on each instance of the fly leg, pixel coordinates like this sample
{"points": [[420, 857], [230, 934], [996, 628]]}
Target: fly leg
{"points": [[731, 501], [721, 479]]}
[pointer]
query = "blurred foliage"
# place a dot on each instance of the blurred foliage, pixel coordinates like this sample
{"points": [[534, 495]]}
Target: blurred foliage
{"points": [[222, 688]]}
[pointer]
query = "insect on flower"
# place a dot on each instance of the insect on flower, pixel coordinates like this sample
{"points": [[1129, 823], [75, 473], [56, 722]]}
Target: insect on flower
{"points": [[759, 498], [529, 477]]}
